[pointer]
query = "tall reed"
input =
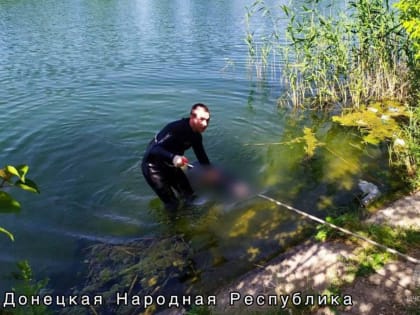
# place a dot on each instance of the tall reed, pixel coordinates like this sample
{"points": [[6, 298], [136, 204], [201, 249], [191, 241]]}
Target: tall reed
{"points": [[346, 55], [260, 48]]}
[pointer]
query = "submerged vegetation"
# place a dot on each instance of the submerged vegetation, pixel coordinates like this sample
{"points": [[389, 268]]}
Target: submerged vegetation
{"points": [[360, 57], [376, 122], [144, 267]]}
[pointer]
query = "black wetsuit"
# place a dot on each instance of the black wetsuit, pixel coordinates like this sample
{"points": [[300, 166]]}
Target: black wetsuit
{"points": [[157, 167]]}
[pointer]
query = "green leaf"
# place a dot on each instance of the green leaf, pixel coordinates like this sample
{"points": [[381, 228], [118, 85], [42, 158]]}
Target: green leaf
{"points": [[23, 170], [10, 235], [28, 185], [12, 170], [8, 204], [321, 235], [285, 10]]}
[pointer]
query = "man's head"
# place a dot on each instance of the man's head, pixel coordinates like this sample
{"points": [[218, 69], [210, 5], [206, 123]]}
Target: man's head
{"points": [[199, 117]]}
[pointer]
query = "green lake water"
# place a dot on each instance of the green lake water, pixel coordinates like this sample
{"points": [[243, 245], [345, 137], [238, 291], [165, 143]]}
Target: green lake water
{"points": [[84, 87]]}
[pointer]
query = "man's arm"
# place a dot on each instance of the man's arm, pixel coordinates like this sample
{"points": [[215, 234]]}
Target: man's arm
{"points": [[200, 153], [158, 151]]}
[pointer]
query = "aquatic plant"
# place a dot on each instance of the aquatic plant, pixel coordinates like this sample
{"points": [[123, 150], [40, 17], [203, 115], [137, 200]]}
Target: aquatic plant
{"points": [[351, 54], [377, 122], [308, 138], [260, 48], [311, 142], [335, 55], [139, 268], [381, 122]]}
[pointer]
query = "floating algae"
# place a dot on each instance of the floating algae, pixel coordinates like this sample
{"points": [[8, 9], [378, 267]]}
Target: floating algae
{"points": [[377, 122]]}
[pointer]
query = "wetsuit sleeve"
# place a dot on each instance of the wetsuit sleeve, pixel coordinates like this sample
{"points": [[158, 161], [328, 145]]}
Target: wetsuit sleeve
{"points": [[158, 151], [200, 153]]}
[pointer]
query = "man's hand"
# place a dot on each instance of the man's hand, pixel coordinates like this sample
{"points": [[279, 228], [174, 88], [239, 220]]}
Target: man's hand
{"points": [[179, 161]]}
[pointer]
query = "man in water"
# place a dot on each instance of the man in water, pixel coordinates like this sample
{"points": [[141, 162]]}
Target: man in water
{"points": [[164, 157]]}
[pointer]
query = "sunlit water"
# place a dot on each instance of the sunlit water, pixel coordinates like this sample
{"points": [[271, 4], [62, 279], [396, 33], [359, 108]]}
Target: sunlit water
{"points": [[84, 87]]}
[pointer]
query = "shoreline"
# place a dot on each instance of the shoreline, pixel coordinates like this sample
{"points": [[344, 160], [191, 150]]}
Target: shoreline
{"points": [[300, 280], [314, 268]]}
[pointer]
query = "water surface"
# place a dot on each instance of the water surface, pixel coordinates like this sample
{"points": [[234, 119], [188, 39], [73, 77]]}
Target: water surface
{"points": [[84, 87]]}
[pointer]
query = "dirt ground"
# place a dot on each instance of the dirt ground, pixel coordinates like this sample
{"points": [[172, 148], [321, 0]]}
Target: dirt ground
{"points": [[313, 267]]}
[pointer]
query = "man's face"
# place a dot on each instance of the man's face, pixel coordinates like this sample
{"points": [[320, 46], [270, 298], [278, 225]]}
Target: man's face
{"points": [[199, 119]]}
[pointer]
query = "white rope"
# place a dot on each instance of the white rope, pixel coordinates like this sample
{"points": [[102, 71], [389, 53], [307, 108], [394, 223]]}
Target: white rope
{"points": [[390, 250]]}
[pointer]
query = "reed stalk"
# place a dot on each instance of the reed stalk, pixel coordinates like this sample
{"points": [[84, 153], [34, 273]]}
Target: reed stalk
{"points": [[344, 56]]}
